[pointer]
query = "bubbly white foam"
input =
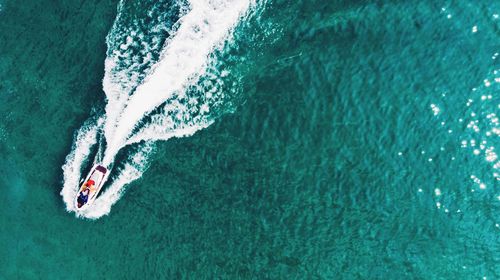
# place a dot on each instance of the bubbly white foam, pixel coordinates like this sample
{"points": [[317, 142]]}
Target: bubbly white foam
{"points": [[184, 58]]}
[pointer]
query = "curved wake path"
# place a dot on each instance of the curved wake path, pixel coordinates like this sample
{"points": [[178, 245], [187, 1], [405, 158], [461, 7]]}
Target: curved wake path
{"points": [[183, 59]]}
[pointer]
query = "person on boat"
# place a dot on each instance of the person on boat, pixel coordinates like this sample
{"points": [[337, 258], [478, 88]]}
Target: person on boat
{"points": [[90, 183], [83, 197]]}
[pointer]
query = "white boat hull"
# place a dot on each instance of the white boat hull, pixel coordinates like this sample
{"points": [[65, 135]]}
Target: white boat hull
{"points": [[99, 174]]}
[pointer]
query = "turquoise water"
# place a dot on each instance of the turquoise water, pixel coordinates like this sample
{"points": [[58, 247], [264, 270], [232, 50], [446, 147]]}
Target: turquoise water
{"points": [[343, 140]]}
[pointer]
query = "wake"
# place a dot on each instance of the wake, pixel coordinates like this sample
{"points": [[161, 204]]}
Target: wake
{"points": [[151, 99]]}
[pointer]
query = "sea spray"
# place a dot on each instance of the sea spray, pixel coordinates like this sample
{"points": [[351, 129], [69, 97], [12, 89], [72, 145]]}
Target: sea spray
{"points": [[135, 42], [153, 93], [183, 59], [78, 158]]}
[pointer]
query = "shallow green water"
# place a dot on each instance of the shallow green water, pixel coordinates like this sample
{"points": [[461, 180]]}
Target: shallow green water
{"points": [[335, 163]]}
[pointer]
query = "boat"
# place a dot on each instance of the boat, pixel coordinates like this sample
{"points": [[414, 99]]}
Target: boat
{"points": [[91, 186]]}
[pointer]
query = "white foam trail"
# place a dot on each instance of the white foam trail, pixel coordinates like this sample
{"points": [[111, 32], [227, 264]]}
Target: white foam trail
{"points": [[183, 60], [157, 132], [205, 25]]}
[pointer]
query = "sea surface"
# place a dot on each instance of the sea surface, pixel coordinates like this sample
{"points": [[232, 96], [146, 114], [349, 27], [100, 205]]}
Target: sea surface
{"points": [[251, 139]]}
